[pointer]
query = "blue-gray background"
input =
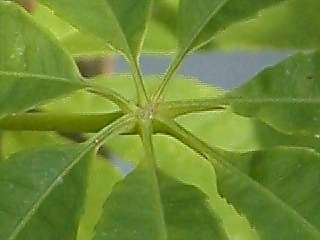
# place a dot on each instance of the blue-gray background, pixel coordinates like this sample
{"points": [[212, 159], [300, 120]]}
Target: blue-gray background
{"points": [[226, 70]]}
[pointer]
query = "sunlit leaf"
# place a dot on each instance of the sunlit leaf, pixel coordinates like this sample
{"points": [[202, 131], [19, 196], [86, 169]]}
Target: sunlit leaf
{"points": [[108, 20], [101, 178]]}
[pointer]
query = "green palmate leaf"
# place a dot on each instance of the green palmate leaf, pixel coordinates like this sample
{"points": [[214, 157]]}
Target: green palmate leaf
{"points": [[108, 20], [286, 96], [82, 101], [190, 169], [289, 180], [293, 24], [271, 216], [36, 186], [200, 20], [101, 178], [33, 67], [183, 168], [101, 174], [151, 205]]}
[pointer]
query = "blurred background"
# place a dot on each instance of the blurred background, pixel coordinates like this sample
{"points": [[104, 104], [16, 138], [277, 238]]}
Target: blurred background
{"points": [[233, 56]]}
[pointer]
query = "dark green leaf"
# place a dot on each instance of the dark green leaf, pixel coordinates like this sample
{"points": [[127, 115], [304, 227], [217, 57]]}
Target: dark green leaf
{"points": [[286, 96], [33, 67], [151, 205], [282, 196], [36, 186]]}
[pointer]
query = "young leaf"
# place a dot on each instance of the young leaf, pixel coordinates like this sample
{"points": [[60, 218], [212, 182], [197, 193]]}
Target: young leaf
{"points": [[289, 176], [286, 96], [33, 67], [37, 187], [151, 205]]}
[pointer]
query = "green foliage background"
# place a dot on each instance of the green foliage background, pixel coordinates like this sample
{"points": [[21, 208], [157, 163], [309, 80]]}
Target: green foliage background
{"points": [[208, 164]]}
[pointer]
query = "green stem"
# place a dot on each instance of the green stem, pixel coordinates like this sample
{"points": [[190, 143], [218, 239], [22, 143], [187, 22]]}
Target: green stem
{"points": [[174, 109], [124, 104], [121, 125], [69, 122], [169, 74], [137, 76], [172, 128], [146, 131]]}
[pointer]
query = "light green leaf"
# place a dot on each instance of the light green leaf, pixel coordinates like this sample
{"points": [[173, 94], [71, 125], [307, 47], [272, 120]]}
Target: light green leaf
{"points": [[16, 141], [293, 24], [45, 17], [286, 96], [200, 20], [151, 205], [76, 42], [232, 132], [101, 178], [33, 67], [108, 20], [36, 186], [281, 197], [158, 39]]}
